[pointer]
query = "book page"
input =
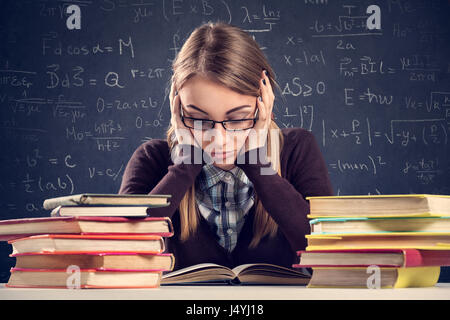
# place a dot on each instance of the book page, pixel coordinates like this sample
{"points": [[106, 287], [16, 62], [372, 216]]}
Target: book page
{"points": [[267, 268], [197, 267]]}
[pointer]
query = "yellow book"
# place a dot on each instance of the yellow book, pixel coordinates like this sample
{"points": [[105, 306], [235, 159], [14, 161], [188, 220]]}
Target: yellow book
{"points": [[400, 205], [355, 277], [405, 240]]}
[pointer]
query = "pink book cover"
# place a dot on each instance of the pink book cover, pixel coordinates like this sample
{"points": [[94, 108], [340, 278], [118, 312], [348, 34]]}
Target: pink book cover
{"points": [[92, 237], [85, 270], [101, 254], [412, 257], [85, 286], [6, 237], [93, 253]]}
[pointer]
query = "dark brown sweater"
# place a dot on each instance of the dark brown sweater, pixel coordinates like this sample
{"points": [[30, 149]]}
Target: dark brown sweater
{"points": [[303, 173]]}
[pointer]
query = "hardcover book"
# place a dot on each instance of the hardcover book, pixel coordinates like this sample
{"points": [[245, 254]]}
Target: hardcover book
{"points": [[89, 278], [93, 243], [367, 257], [370, 225], [95, 260], [405, 240], [19, 228], [107, 199], [379, 205], [101, 211], [343, 277]]}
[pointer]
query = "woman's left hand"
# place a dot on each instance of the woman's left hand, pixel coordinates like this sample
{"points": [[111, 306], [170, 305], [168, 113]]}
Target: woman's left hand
{"points": [[258, 134]]}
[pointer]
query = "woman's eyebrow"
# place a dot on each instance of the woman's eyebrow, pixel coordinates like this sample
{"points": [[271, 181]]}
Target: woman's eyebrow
{"points": [[238, 108], [228, 112], [196, 108]]}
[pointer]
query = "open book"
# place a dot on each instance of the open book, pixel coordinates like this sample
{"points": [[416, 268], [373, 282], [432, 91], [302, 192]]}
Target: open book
{"points": [[255, 273]]}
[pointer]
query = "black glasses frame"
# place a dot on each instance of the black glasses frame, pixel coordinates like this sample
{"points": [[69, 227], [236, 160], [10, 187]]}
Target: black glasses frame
{"points": [[221, 122]]}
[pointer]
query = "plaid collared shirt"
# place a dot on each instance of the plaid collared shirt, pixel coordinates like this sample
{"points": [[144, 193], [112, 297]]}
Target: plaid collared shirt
{"points": [[224, 199]]}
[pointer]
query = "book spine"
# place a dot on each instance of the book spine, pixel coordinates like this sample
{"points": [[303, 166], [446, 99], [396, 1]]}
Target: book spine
{"points": [[412, 258], [417, 277], [426, 258], [170, 233]]}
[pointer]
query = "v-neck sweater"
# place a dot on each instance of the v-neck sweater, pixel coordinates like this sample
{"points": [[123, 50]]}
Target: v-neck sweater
{"points": [[304, 173]]}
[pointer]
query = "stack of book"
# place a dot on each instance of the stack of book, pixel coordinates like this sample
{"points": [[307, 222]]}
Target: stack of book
{"points": [[378, 241], [91, 241]]}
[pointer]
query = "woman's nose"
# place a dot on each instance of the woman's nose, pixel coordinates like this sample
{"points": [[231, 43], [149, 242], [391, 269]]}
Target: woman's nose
{"points": [[218, 136], [219, 133]]}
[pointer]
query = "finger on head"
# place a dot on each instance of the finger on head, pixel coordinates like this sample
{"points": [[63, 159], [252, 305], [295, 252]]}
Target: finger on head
{"points": [[173, 91], [264, 91], [176, 104], [268, 84], [171, 97], [261, 107]]}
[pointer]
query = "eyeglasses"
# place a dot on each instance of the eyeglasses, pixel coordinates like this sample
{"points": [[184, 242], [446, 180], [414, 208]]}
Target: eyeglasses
{"points": [[229, 125]]}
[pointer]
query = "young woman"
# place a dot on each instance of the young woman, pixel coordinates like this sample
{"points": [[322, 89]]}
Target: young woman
{"points": [[243, 200]]}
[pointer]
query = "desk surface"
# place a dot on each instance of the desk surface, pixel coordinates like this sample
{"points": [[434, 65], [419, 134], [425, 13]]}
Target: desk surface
{"points": [[439, 292]]}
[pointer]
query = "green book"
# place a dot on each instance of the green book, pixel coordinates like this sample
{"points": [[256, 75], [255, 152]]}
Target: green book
{"points": [[377, 225]]}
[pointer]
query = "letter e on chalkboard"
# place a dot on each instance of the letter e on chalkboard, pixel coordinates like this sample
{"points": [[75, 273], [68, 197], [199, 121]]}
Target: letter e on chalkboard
{"points": [[74, 20]]}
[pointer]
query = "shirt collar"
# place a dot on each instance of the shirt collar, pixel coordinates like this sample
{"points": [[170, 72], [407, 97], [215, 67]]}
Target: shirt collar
{"points": [[212, 175]]}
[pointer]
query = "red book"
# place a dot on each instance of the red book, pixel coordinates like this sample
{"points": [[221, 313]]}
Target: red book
{"points": [[83, 278], [95, 260], [18, 228], [367, 257], [77, 243]]}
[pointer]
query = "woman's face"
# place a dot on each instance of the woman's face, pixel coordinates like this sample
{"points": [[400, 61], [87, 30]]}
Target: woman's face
{"points": [[204, 99]]}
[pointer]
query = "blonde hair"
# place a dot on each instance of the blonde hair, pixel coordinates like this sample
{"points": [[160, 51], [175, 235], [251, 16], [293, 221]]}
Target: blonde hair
{"points": [[228, 55]]}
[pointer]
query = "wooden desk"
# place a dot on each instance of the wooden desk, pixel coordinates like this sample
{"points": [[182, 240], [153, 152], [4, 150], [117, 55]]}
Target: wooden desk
{"points": [[439, 292]]}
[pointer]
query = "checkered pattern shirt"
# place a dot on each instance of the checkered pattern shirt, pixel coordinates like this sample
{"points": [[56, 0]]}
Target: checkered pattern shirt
{"points": [[224, 199]]}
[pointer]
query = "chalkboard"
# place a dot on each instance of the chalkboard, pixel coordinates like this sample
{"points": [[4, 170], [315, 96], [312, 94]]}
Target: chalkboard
{"points": [[76, 102]]}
